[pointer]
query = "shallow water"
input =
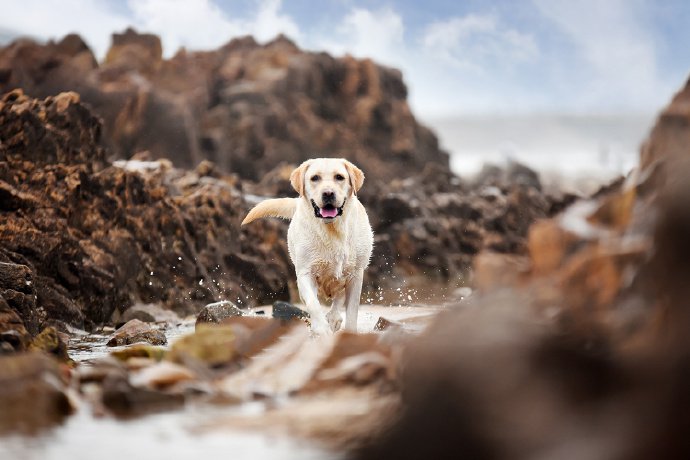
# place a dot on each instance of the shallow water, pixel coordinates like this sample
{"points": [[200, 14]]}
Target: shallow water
{"points": [[169, 435], [179, 433]]}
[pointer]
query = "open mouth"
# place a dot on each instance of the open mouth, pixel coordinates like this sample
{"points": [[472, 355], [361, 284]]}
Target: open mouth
{"points": [[329, 211]]}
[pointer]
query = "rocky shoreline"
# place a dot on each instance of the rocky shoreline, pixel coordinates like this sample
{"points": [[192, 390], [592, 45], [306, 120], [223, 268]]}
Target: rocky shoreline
{"points": [[577, 311], [96, 235]]}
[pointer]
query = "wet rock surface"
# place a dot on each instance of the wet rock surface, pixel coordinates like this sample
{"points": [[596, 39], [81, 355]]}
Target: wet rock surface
{"points": [[287, 311], [135, 331], [218, 311]]}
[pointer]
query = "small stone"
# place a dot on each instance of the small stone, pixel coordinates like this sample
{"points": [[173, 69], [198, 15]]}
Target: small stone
{"points": [[125, 400], [141, 315], [161, 375], [141, 350], [49, 341], [211, 344], [286, 311], [12, 341], [384, 324], [218, 311], [150, 313], [136, 331]]}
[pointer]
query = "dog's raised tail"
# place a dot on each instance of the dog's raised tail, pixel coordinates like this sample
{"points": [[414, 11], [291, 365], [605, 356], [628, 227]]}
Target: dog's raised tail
{"points": [[283, 208]]}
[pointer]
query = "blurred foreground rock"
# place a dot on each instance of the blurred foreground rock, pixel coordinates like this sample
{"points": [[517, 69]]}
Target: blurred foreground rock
{"points": [[579, 349], [32, 393], [314, 388]]}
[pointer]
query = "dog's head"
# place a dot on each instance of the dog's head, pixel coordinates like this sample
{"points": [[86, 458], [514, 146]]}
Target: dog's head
{"points": [[327, 183]]}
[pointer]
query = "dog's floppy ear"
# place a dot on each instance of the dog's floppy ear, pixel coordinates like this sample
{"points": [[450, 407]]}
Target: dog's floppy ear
{"points": [[356, 176], [297, 177]]}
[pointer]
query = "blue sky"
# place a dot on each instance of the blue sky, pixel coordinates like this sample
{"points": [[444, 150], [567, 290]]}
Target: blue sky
{"points": [[458, 57]]}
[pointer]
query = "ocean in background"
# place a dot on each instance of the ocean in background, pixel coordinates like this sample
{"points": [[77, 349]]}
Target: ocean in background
{"points": [[580, 152]]}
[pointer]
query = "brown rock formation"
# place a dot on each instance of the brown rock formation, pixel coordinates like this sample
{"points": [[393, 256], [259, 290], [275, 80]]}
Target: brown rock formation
{"points": [[244, 106], [253, 110], [81, 238]]}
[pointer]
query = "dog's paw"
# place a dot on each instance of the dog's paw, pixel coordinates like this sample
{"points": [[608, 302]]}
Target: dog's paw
{"points": [[319, 326], [335, 320]]}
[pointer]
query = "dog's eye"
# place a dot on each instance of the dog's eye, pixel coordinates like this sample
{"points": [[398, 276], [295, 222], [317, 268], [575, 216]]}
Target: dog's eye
{"points": [[315, 178], [339, 177]]}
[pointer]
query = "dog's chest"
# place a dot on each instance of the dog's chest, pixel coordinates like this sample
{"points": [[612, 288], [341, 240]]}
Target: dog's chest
{"points": [[332, 278], [332, 270]]}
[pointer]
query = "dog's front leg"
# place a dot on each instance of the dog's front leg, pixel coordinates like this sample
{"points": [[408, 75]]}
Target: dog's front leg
{"points": [[353, 291], [335, 320], [309, 294]]}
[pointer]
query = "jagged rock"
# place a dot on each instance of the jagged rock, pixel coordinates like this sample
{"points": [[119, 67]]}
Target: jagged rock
{"points": [[136, 331], [13, 334], [244, 106], [436, 227], [143, 231], [94, 238]]}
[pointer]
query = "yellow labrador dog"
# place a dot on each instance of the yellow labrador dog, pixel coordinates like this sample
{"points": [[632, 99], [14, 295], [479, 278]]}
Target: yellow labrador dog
{"points": [[330, 239]]}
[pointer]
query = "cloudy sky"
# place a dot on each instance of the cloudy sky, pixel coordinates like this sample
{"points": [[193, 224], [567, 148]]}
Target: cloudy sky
{"points": [[458, 57]]}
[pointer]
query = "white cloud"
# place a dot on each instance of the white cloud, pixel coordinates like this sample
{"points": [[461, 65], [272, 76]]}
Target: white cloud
{"points": [[365, 33], [269, 22], [615, 55], [600, 55], [477, 42], [94, 20], [193, 24], [201, 24]]}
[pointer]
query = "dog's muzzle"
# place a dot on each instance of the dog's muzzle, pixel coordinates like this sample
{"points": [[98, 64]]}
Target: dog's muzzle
{"points": [[329, 211]]}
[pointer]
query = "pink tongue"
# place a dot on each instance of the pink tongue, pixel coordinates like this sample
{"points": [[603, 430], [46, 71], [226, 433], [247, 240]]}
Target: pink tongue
{"points": [[332, 212]]}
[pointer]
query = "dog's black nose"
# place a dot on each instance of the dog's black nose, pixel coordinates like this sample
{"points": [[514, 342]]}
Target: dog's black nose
{"points": [[328, 197]]}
